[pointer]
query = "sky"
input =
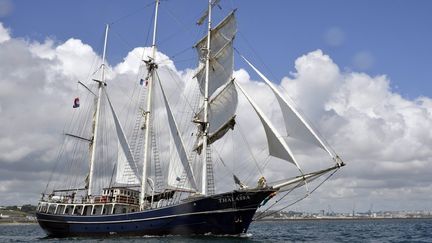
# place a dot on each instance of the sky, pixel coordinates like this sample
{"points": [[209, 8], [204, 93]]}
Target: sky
{"points": [[359, 69]]}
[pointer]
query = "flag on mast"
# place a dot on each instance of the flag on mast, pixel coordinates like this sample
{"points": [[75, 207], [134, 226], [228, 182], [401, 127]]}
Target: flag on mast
{"points": [[142, 82]]}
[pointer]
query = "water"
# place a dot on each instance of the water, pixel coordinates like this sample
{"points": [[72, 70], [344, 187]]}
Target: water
{"points": [[385, 230]]}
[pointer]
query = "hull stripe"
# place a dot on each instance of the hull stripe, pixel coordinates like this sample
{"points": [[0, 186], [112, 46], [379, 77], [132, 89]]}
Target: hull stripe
{"points": [[144, 219]]}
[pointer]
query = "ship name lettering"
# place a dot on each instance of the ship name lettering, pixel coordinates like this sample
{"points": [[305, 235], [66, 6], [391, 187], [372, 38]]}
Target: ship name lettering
{"points": [[231, 199]]}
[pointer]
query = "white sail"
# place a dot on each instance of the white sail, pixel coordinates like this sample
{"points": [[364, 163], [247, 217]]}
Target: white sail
{"points": [[221, 108], [172, 180], [296, 126], [177, 178], [276, 144], [124, 172], [221, 112], [223, 105], [126, 162], [221, 59], [170, 161]]}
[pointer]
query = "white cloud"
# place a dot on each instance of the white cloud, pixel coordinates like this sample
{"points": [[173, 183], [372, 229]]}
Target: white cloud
{"points": [[45, 50], [384, 125], [374, 124], [315, 79], [383, 136], [37, 85], [77, 60], [4, 33], [132, 62]]}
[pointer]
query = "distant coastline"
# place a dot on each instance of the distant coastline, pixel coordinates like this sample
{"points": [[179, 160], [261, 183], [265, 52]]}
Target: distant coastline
{"points": [[4, 223], [339, 218], [330, 215], [13, 215]]}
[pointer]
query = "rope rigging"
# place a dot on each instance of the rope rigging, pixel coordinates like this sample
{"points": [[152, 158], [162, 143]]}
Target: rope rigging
{"points": [[107, 167], [136, 11], [262, 214]]}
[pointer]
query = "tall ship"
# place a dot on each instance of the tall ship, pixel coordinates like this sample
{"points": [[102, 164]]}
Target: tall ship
{"points": [[165, 173]]}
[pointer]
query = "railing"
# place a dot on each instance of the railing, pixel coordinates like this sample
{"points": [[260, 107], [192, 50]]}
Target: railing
{"points": [[86, 209]]}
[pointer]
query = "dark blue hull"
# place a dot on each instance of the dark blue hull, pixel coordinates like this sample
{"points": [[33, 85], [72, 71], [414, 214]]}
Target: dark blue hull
{"points": [[223, 214]]}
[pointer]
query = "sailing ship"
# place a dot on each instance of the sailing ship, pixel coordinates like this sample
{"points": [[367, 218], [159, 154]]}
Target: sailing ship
{"points": [[141, 198]]}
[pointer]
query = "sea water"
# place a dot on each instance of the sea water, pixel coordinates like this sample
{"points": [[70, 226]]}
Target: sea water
{"points": [[377, 230]]}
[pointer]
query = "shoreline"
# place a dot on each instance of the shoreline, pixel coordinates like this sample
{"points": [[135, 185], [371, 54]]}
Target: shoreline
{"points": [[17, 223], [339, 218]]}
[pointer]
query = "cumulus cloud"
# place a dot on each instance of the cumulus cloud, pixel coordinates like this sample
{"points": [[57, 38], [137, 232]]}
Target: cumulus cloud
{"points": [[4, 33], [315, 79], [132, 62], [37, 81], [383, 136]]}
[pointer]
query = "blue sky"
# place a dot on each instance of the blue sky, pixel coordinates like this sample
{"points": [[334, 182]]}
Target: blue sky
{"points": [[376, 37]]}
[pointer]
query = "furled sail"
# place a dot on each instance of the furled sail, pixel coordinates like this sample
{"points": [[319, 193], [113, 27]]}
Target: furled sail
{"points": [[221, 55], [296, 126], [127, 170], [173, 180], [276, 144]]}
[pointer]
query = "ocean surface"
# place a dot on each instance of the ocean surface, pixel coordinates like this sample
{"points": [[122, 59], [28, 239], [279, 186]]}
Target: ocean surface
{"points": [[378, 230]]}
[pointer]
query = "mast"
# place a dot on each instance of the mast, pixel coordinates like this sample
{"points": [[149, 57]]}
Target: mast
{"points": [[96, 116], [151, 66], [206, 103]]}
